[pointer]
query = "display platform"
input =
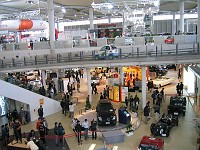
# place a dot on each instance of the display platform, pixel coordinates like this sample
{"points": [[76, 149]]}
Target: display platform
{"points": [[17, 146], [92, 115], [111, 137]]}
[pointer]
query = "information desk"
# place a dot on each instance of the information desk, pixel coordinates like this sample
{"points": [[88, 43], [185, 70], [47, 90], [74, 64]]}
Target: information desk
{"points": [[17, 146]]}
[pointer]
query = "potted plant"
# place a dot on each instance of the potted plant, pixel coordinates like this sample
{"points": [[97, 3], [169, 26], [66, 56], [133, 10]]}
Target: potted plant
{"points": [[129, 129]]}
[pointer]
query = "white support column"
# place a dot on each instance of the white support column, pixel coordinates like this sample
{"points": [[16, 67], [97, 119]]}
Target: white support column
{"points": [[89, 83], [121, 76], [143, 87], [91, 17], [19, 37], [174, 24], [198, 24], [50, 6], [181, 28], [187, 26], [55, 80], [44, 79], [109, 19]]}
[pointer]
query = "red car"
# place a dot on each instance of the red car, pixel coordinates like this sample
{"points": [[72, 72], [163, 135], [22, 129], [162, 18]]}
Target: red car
{"points": [[151, 143], [169, 40]]}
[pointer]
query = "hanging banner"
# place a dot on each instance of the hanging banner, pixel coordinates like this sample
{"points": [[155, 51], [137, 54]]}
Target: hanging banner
{"points": [[116, 93], [124, 93], [41, 101]]}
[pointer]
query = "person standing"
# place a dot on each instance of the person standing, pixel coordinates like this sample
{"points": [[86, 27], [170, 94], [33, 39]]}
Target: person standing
{"points": [[94, 129], [78, 131], [42, 132], [3, 135], [157, 111], [85, 125], [146, 113], [105, 93], [45, 126], [82, 72], [61, 133], [178, 89], [126, 101], [7, 135], [55, 129], [22, 115], [136, 102], [17, 130], [181, 88], [101, 96], [40, 112], [163, 93], [31, 44], [9, 117], [131, 102], [78, 86], [71, 110]]}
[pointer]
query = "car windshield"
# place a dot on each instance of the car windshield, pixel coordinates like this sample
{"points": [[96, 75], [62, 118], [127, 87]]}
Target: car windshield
{"points": [[113, 47], [106, 107], [148, 147]]}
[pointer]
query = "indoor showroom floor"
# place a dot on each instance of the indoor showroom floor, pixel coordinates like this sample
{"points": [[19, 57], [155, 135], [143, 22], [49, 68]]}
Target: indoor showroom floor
{"points": [[183, 137]]}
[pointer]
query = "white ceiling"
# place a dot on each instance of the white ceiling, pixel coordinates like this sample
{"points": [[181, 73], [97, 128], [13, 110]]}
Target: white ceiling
{"points": [[75, 9]]}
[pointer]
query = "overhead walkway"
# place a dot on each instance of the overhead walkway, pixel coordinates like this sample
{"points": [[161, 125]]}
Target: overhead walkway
{"points": [[32, 99], [134, 55]]}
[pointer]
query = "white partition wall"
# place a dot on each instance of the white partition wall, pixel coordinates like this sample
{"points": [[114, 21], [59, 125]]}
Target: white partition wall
{"points": [[120, 42], [101, 42]]}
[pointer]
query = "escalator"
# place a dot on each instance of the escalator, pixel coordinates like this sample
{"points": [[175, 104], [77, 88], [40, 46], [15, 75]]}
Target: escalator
{"points": [[34, 100]]}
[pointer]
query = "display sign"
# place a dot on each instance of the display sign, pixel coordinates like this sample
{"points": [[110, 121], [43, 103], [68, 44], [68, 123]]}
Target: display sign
{"points": [[41, 101], [116, 93], [2, 106], [124, 93]]}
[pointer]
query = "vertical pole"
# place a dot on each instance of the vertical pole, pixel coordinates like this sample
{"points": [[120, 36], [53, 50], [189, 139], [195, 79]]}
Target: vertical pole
{"points": [[198, 24], [143, 87], [91, 17], [181, 17], [50, 7], [156, 51], [44, 79], [121, 76], [174, 24], [89, 84], [176, 49]]}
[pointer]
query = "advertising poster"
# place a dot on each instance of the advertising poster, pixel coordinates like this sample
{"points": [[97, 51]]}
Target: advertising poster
{"points": [[111, 92], [116, 93], [124, 93], [2, 106]]}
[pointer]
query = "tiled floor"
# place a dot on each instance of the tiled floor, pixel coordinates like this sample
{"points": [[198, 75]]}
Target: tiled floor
{"points": [[183, 137]]}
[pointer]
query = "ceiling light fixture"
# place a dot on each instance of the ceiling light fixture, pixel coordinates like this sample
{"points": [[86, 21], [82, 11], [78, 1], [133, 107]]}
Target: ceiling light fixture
{"points": [[63, 10]]}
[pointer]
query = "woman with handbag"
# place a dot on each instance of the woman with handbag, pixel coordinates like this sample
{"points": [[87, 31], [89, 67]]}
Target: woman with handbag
{"points": [[61, 132]]}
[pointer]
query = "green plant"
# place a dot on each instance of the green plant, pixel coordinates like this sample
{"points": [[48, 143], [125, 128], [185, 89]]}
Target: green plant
{"points": [[129, 128]]}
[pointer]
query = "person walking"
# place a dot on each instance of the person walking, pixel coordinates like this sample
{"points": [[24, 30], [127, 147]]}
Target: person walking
{"points": [[42, 132], [136, 101], [157, 111], [62, 105], [163, 93], [85, 125], [55, 129], [94, 129], [17, 130], [78, 131], [31, 44]]}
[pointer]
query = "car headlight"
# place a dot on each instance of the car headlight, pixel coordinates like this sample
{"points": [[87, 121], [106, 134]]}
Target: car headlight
{"points": [[114, 117], [100, 118]]}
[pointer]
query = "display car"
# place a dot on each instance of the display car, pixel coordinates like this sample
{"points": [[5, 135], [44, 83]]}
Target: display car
{"points": [[106, 113], [160, 129], [95, 80], [169, 40], [108, 51], [151, 143], [177, 105], [170, 120], [36, 83], [162, 81]]}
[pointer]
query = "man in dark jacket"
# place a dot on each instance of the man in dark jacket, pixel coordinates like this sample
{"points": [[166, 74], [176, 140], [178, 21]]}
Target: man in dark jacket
{"points": [[94, 129], [78, 131], [146, 113], [40, 112]]}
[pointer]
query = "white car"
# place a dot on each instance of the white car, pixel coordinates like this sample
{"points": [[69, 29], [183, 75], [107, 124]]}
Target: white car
{"points": [[108, 51], [162, 81], [96, 80], [36, 83]]}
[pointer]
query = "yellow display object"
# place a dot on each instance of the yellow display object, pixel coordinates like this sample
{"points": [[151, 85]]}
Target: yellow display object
{"points": [[116, 93], [41, 101], [111, 92]]}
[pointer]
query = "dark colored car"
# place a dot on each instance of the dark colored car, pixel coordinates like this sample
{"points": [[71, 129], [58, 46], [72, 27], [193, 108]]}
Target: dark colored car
{"points": [[106, 113], [170, 120], [177, 105], [160, 129], [151, 143]]}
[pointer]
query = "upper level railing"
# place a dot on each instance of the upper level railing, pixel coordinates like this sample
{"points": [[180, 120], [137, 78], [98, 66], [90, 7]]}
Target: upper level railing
{"points": [[150, 51], [99, 42]]}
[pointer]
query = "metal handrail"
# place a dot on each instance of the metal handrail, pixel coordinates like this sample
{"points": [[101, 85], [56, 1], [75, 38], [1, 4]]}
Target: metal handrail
{"points": [[156, 52]]}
